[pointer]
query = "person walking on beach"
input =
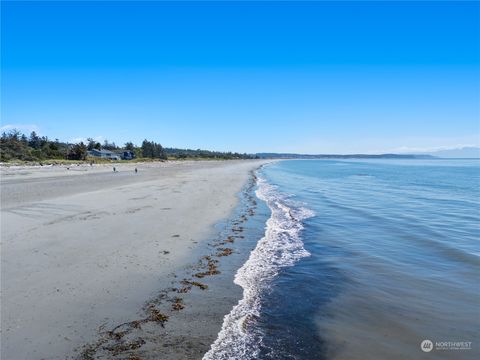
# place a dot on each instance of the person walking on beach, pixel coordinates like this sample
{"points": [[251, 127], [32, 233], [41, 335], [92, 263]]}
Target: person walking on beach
{"points": [[136, 170], [114, 170]]}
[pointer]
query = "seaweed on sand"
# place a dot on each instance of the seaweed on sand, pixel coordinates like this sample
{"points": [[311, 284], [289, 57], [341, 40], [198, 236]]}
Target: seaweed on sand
{"points": [[134, 357], [195, 283], [184, 289], [211, 266], [178, 304], [117, 335], [224, 252], [157, 316]]}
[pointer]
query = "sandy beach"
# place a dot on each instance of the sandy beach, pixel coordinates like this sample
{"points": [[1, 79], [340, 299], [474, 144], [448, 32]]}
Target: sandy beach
{"points": [[85, 250]]}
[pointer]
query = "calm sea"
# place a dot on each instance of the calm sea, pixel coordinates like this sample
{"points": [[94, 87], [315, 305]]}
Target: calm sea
{"points": [[361, 260]]}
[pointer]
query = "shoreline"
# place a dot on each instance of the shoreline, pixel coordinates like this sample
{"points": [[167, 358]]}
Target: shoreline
{"points": [[184, 319], [80, 318]]}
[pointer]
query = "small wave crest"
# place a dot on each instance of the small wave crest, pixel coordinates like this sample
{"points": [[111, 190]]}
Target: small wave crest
{"points": [[280, 247]]}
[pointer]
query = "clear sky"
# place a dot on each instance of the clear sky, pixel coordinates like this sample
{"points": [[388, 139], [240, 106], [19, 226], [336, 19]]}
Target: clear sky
{"points": [[311, 77]]}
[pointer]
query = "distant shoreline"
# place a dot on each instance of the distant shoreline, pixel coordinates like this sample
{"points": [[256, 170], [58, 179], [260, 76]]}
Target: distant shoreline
{"points": [[105, 162]]}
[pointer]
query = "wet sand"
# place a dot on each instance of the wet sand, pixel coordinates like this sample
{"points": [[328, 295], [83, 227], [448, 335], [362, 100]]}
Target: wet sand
{"points": [[86, 250]]}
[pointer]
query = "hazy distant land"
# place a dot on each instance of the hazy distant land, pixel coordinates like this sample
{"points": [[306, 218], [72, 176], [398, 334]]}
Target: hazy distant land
{"points": [[459, 153]]}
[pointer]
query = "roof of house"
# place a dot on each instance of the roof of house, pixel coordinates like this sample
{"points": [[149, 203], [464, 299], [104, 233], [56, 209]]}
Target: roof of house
{"points": [[105, 152], [102, 151]]}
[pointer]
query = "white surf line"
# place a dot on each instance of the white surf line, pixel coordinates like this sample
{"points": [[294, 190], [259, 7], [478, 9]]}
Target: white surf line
{"points": [[281, 246]]}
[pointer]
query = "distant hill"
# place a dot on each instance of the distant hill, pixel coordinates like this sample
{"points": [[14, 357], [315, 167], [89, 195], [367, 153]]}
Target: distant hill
{"points": [[463, 152], [339, 156]]}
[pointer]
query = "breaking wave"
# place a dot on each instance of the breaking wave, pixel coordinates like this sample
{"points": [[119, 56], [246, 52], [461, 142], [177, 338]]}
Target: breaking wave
{"points": [[281, 246]]}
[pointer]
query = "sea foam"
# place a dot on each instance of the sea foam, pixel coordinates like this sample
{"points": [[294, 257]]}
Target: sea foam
{"points": [[280, 247]]}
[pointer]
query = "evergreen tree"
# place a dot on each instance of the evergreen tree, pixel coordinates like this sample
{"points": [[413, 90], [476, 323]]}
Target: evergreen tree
{"points": [[77, 152], [34, 141]]}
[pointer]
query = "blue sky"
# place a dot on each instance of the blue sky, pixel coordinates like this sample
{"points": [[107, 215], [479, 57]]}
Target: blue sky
{"points": [[312, 77]]}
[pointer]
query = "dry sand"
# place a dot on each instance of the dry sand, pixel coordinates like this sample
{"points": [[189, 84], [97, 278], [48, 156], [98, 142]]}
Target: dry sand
{"points": [[83, 249]]}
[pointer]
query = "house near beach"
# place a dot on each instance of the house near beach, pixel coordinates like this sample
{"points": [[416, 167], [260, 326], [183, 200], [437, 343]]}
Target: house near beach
{"points": [[127, 155], [104, 154], [107, 154]]}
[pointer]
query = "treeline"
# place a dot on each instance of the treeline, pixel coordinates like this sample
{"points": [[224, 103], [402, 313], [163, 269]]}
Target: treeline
{"points": [[153, 150], [205, 154], [15, 145]]}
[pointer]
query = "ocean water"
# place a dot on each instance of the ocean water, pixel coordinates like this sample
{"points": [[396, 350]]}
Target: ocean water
{"points": [[361, 259]]}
